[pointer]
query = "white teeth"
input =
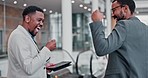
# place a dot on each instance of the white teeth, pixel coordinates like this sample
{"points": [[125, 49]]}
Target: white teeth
{"points": [[37, 29]]}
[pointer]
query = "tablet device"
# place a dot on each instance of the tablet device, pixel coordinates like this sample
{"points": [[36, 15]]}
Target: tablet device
{"points": [[59, 65]]}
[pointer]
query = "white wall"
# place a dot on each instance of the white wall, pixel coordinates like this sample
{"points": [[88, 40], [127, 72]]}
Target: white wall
{"points": [[143, 18], [3, 66]]}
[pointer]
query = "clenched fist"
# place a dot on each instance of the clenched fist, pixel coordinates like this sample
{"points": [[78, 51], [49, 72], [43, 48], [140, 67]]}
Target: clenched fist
{"points": [[97, 16], [51, 45]]}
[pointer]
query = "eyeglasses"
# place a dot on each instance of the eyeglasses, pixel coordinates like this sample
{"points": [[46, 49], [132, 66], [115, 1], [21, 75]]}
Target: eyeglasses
{"points": [[113, 9]]}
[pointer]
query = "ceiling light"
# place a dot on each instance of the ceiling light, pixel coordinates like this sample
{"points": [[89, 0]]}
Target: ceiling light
{"points": [[137, 12], [15, 2], [89, 9], [50, 11], [44, 10], [85, 7], [3, 0], [25, 5], [72, 1], [80, 5]]}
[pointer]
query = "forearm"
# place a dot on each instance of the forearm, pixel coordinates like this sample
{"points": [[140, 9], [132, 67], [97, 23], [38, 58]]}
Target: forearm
{"points": [[32, 64], [107, 45]]}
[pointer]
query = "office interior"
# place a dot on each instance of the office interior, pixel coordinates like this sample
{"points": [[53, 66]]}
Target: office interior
{"points": [[67, 21]]}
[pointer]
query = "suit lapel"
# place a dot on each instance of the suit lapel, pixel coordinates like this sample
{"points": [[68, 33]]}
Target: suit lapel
{"points": [[29, 36]]}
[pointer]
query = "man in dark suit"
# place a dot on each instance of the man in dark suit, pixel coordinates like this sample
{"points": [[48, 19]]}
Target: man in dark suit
{"points": [[127, 45]]}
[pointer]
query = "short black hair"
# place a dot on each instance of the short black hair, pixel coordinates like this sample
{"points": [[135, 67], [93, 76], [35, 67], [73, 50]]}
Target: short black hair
{"points": [[31, 9], [130, 3]]}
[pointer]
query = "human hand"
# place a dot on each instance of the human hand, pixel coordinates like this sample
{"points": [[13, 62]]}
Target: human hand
{"points": [[113, 22], [97, 16], [48, 65], [51, 44]]}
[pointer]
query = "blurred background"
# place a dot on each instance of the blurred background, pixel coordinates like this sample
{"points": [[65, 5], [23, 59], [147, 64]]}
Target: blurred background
{"points": [[67, 21]]}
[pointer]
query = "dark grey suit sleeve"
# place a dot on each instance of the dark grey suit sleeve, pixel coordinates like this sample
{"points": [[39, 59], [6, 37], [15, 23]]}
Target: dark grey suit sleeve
{"points": [[114, 41]]}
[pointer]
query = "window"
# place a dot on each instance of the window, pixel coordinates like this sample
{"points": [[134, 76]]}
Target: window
{"points": [[55, 29], [1, 41], [81, 33]]}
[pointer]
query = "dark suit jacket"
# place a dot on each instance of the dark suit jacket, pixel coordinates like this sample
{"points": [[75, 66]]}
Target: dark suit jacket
{"points": [[127, 46]]}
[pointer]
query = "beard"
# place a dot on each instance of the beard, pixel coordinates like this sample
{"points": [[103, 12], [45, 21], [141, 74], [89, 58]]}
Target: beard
{"points": [[32, 33], [119, 17]]}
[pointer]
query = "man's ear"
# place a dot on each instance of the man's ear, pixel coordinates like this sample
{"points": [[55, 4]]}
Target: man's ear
{"points": [[27, 18], [126, 8]]}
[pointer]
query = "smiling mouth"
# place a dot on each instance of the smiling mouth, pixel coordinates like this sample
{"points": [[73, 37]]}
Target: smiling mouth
{"points": [[38, 28]]}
